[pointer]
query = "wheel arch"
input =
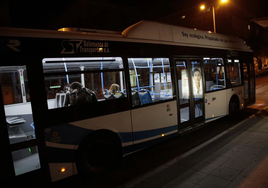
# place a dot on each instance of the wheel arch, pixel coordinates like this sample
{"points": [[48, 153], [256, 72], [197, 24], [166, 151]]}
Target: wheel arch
{"points": [[109, 138], [103, 133], [234, 98]]}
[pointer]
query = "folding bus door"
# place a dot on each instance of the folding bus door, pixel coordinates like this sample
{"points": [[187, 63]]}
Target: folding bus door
{"points": [[190, 92], [252, 86], [249, 83], [20, 159]]}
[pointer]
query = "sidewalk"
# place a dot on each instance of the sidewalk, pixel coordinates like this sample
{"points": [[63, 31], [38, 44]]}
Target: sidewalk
{"points": [[238, 157]]}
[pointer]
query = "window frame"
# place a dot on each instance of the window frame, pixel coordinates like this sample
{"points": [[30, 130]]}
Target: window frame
{"points": [[239, 69], [171, 70], [99, 71]]}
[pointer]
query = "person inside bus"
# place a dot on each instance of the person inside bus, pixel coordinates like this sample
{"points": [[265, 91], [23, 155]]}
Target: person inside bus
{"points": [[67, 92], [79, 95], [197, 82], [114, 88], [114, 92]]}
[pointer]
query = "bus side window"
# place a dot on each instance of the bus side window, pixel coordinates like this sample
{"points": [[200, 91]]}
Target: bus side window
{"points": [[214, 74], [150, 80], [83, 80]]}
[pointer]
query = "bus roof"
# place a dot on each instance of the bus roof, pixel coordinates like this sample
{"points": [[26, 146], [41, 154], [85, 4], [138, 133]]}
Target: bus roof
{"points": [[150, 30], [144, 32]]}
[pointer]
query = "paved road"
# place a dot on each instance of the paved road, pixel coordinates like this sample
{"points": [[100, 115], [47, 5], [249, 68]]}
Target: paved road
{"points": [[138, 167]]}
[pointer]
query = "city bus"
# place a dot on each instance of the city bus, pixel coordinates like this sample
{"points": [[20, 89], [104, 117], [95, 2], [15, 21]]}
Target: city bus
{"points": [[75, 101]]}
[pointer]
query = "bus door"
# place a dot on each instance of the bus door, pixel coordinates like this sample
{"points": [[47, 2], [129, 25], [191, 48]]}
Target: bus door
{"points": [[252, 87], [20, 160], [249, 83], [190, 93]]}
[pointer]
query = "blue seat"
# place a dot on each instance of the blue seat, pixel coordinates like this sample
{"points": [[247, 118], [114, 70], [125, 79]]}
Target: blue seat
{"points": [[145, 97]]}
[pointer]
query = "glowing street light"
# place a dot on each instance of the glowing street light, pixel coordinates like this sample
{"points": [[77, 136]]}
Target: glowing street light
{"points": [[203, 7]]}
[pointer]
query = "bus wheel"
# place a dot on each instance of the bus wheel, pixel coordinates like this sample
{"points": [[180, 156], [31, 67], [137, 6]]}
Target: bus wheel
{"points": [[233, 106], [97, 155]]}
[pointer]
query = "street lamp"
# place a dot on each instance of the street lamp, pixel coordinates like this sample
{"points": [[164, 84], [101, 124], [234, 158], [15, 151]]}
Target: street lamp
{"points": [[203, 7]]}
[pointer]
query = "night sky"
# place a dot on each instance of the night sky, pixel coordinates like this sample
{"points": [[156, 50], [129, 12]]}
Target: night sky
{"points": [[119, 14]]}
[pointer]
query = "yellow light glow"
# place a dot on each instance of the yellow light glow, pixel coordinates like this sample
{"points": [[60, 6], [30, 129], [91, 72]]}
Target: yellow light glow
{"points": [[224, 1], [242, 104], [212, 115], [202, 7], [162, 135], [62, 169]]}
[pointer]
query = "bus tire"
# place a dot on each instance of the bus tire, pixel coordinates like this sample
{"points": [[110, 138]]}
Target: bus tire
{"points": [[97, 155], [233, 105]]}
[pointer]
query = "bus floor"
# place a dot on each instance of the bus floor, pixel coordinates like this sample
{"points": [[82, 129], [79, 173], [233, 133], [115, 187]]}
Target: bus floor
{"points": [[229, 152]]}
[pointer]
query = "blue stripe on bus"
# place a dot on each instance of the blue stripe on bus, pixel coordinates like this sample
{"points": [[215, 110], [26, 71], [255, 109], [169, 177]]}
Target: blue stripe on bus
{"points": [[70, 134], [138, 135], [73, 135], [65, 134], [136, 147], [213, 118], [61, 155]]}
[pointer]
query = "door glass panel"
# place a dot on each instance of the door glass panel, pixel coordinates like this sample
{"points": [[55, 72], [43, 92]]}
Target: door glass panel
{"points": [[19, 120], [198, 110], [26, 160], [252, 85], [197, 80], [185, 114], [245, 72], [233, 72], [17, 103], [183, 82]]}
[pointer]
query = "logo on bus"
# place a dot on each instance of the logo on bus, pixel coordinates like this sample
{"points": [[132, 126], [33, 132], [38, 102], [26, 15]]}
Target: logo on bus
{"points": [[14, 44], [168, 108], [84, 46]]}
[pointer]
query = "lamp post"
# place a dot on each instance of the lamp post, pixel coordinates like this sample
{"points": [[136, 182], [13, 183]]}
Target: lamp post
{"points": [[203, 7], [214, 19]]}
